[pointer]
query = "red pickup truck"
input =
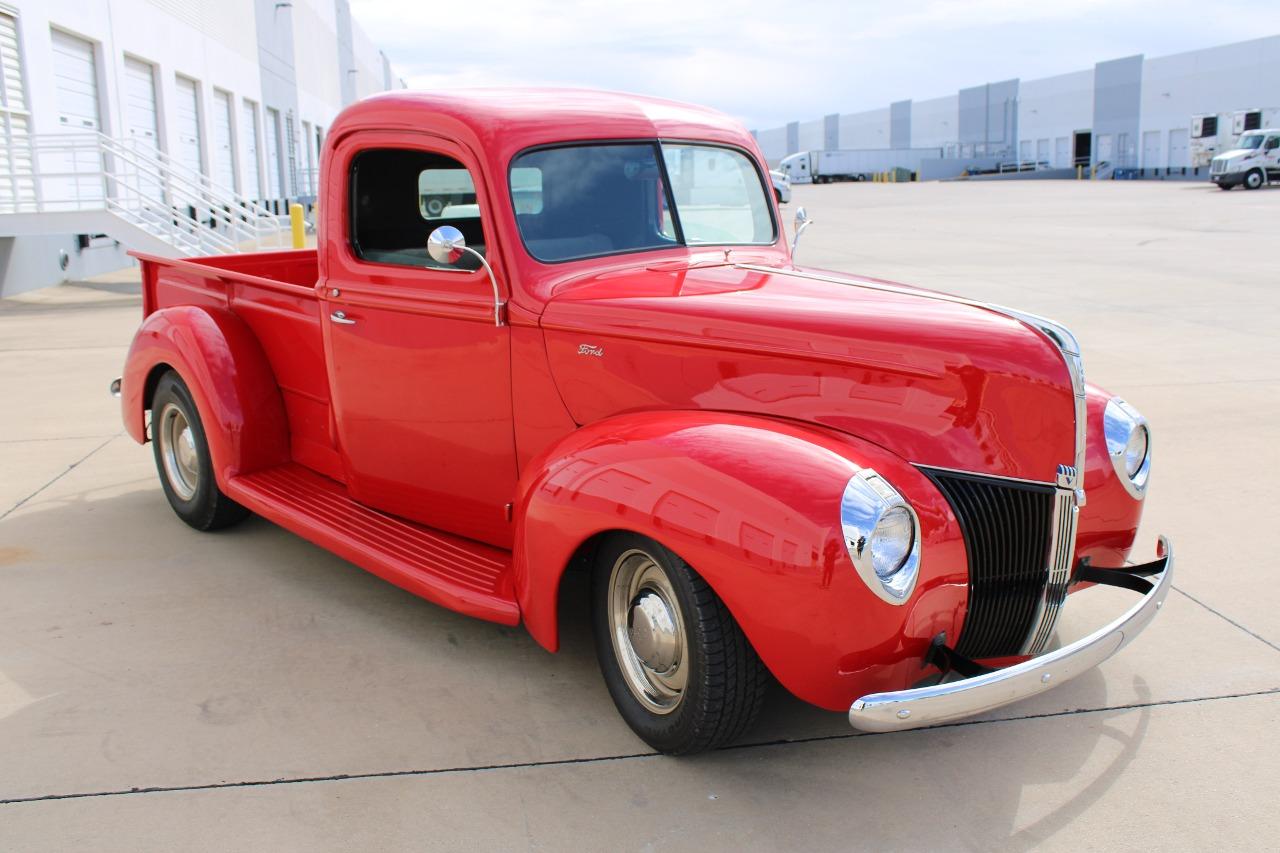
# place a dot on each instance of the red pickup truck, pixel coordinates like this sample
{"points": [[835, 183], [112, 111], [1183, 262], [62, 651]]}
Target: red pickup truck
{"points": [[551, 331]]}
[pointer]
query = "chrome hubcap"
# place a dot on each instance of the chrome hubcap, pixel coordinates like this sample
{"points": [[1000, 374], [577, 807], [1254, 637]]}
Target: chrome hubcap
{"points": [[178, 452], [648, 634]]}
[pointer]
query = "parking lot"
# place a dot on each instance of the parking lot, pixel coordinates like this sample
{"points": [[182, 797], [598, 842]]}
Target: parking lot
{"points": [[165, 689]]}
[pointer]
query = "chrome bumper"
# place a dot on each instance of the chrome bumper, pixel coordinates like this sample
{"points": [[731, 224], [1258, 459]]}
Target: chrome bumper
{"points": [[956, 700]]}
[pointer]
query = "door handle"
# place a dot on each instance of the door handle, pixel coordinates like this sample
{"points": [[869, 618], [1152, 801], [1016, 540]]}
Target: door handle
{"points": [[341, 317]]}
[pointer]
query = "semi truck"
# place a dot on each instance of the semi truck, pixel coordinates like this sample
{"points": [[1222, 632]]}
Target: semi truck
{"points": [[824, 167]]}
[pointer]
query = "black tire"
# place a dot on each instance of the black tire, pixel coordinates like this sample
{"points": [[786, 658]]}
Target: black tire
{"points": [[726, 681], [206, 507], [777, 195], [1256, 179]]}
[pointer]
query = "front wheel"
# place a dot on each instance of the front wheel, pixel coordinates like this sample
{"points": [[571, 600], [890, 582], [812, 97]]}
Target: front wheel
{"points": [[182, 459], [1254, 180], [680, 671]]}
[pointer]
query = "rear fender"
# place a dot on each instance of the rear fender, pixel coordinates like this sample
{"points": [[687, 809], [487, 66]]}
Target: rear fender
{"points": [[229, 377], [753, 505]]}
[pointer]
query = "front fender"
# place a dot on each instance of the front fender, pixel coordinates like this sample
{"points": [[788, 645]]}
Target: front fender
{"points": [[753, 505], [229, 377]]}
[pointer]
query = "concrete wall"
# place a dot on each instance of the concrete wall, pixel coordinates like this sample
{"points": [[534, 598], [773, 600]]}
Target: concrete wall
{"points": [[900, 124], [868, 129], [1050, 110], [1117, 97], [935, 122], [773, 144], [811, 135]]}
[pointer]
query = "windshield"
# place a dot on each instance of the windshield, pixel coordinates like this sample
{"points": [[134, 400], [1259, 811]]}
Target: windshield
{"points": [[1251, 141], [583, 201]]}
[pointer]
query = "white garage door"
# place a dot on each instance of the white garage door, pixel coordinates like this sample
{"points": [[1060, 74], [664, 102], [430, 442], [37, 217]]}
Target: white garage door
{"points": [[249, 143], [76, 101], [224, 163], [1061, 155], [1151, 149], [1178, 158], [187, 113], [142, 126], [272, 124], [17, 187]]}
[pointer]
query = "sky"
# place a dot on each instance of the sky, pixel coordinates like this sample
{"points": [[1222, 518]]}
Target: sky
{"points": [[768, 63]]}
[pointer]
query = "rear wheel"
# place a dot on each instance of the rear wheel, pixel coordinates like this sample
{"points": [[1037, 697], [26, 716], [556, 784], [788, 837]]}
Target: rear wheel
{"points": [[678, 667], [182, 459], [1254, 179]]}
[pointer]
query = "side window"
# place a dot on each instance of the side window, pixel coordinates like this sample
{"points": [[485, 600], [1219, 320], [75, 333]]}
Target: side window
{"points": [[398, 197], [1273, 142]]}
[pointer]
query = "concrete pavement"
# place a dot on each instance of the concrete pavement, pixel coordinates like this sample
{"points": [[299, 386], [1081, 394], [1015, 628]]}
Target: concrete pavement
{"points": [[164, 689]]}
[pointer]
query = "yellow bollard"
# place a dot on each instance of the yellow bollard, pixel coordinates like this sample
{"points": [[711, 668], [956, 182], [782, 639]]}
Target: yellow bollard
{"points": [[299, 226], [1079, 172]]}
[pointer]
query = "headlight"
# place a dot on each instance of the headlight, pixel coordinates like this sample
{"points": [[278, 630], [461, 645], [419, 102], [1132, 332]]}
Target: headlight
{"points": [[1128, 444], [882, 535]]}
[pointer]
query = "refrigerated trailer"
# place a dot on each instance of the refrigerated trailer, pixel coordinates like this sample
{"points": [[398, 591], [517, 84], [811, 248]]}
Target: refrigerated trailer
{"points": [[821, 167], [1214, 133]]}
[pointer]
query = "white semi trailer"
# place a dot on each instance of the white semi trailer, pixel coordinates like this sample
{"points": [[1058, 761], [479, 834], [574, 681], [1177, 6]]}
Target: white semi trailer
{"points": [[1214, 133], [822, 167]]}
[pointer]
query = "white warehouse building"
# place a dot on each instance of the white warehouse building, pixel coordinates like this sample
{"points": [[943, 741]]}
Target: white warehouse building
{"points": [[173, 126], [1132, 112]]}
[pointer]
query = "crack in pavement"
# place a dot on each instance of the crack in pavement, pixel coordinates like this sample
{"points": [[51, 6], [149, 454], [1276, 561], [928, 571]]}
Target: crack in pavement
{"points": [[64, 473], [568, 762], [1227, 618]]}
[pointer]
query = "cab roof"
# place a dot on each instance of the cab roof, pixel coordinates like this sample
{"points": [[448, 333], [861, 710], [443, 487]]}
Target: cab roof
{"points": [[508, 120]]}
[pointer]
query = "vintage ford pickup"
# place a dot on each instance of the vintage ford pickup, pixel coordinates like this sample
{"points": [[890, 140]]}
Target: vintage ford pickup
{"points": [[551, 331]]}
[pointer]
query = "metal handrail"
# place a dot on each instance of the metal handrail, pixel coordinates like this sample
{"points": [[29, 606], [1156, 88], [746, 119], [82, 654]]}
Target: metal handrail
{"points": [[142, 186]]}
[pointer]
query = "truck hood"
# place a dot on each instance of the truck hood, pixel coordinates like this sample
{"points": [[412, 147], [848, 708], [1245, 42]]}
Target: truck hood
{"points": [[1237, 154], [937, 380]]}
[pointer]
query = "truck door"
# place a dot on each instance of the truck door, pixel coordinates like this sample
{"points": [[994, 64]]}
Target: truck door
{"points": [[1271, 151], [420, 372]]}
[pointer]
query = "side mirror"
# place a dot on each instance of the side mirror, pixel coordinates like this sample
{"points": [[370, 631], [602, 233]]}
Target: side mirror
{"points": [[802, 222], [446, 245]]}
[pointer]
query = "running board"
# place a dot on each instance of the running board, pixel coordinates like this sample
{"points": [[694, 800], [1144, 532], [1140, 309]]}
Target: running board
{"points": [[456, 573]]}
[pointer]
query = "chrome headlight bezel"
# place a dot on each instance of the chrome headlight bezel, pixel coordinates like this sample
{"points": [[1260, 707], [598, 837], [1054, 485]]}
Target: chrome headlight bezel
{"points": [[868, 498], [1119, 423]]}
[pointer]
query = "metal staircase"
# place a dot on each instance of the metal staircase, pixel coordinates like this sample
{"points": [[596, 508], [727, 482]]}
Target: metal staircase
{"points": [[90, 183]]}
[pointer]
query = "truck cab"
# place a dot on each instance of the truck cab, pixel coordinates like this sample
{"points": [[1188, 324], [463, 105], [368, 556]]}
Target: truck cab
{"points": [[547, 331], [1253, 163]]}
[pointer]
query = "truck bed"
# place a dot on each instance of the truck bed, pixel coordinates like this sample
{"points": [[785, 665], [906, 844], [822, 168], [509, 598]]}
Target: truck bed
{"points": [[293, 270]]}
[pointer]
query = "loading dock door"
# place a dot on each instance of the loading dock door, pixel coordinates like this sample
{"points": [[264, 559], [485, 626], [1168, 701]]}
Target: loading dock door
{"points": [[75, 81], [17, 182], [224, 162], [187, 112], [271, 122], [1178, 158], [249, 134], [1151, 149], [1082, 149], [1060, 158], [142, 128]]}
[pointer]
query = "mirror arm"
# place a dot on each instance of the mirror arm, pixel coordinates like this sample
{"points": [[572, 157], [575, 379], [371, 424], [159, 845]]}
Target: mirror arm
{"points": [[497, 299]]}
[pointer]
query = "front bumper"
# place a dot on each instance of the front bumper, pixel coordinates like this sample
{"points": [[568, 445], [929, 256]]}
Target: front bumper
{"points": [[956, 700], [1228, 179]]}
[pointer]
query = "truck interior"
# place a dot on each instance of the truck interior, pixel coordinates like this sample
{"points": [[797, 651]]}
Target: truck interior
{"points": [[390, 224]]}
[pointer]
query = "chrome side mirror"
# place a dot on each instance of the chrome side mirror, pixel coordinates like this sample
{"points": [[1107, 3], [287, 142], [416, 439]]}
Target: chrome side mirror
{"points": [[802, 222], [446, 245]]}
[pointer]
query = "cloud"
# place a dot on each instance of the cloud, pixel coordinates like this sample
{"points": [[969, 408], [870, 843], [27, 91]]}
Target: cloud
{"points": [[768, 63]]}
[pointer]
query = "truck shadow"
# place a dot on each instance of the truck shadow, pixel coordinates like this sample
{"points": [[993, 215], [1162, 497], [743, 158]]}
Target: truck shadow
{"points": [[275, 621]]}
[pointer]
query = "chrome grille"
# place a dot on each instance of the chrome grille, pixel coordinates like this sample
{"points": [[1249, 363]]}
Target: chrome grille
{"points": [[1061, 548], [1217, 167], [1009, 534]]}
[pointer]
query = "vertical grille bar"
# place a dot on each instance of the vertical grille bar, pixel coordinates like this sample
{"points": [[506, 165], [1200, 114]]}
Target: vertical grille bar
{"points": [[1065, 517], [1011, 530]]}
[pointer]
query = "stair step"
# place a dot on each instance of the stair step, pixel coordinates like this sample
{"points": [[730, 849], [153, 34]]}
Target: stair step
{"points": [[457, 573]]}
